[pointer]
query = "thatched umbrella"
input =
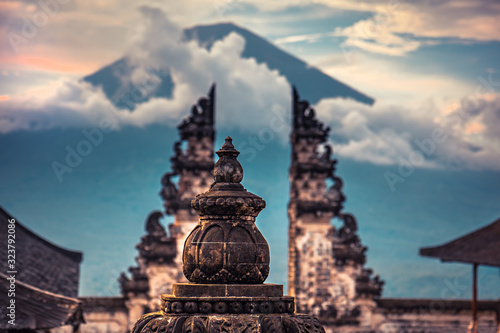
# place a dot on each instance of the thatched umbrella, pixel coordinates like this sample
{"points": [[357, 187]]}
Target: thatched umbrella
{"points": [[480, 247]]}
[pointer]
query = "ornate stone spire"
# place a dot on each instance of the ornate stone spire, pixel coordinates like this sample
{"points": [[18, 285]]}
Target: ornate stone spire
{"points": [[227, 247], [326, 264], [227, 258], [305, 123], [200, 122], [194, 164]]}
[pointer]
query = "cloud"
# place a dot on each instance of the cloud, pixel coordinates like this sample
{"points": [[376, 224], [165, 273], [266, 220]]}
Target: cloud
{"points": [[302, 38], [64, 103], [465, 138], [248, 90], [465, 19], [377, 37], [248, 93], [396, 28], [397, 83], [383, 33]]}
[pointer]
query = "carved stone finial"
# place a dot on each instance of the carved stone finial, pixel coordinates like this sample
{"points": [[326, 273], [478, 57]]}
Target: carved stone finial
{"points": [[226, 259], [226, 246], [228, 169], [227, 198]]}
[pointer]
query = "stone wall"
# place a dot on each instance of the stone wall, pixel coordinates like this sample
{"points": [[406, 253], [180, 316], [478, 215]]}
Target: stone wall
{"points": [[111, 314], [104, 315], [433, 316], [423, 316]]}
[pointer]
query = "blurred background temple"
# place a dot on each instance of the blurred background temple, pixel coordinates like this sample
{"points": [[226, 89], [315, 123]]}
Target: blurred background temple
{"points": [[326, 265]]}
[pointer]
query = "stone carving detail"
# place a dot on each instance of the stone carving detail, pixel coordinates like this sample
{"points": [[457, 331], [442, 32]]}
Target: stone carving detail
{"points": [[228, 323], [271, 324], [194, 325], [302, 324], [366, 285], [250, 305], [194, 165], [347, 245], [200, 122], [169, 193], [155, 246], [143, 324], [326, 273], [137, 284], [153, 226], [226, 247], [305, 123], [160, 252], [244, 324]]}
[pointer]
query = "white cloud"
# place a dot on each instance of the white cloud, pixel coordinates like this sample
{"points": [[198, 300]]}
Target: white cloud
{"points": [[465, 137], [466, 20], [375, 36], [387, 81], [247, 90], [392, 30], [247, 93]]}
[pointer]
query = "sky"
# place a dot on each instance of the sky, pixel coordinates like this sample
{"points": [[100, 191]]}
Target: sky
{"points": [[420, 167]]}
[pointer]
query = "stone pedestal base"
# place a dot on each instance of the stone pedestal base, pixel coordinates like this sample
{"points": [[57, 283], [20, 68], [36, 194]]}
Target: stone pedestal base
{"points": [[226, 299], [242, 323], [233, 308], [226, 290]]}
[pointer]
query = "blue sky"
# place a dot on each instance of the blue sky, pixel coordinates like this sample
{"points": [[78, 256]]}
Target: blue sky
{"points": [[431, 66]]}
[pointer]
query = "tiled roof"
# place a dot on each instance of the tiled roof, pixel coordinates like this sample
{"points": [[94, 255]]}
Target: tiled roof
{"points": [[38, 262]]}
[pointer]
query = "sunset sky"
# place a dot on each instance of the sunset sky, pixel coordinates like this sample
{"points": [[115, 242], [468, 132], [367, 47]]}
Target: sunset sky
{"points": [[421, 166]]}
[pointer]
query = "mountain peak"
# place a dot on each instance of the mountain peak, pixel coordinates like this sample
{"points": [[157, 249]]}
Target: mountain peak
{"points": [[313, 84]]}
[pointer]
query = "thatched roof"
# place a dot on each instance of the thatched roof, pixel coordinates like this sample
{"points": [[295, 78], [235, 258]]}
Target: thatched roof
{"points": [[480, 247]]}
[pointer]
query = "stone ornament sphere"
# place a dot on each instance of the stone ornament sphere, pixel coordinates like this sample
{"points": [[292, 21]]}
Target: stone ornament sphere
{"points": [[231, 252], [228, 169], [226, 247]]}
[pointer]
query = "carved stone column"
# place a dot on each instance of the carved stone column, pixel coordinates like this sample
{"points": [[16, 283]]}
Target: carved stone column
{"points": [[327, 274], [226, 260]]}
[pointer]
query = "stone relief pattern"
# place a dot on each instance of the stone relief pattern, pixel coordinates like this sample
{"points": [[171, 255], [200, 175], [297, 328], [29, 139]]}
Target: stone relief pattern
{"points": [[327, 275], [154, 323], [155, 248], [322, 289], [193, 166], [239, 324], [302, 324], [255, 274], [271, 324], [224, 307], [142, 325], [195, 325]]}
